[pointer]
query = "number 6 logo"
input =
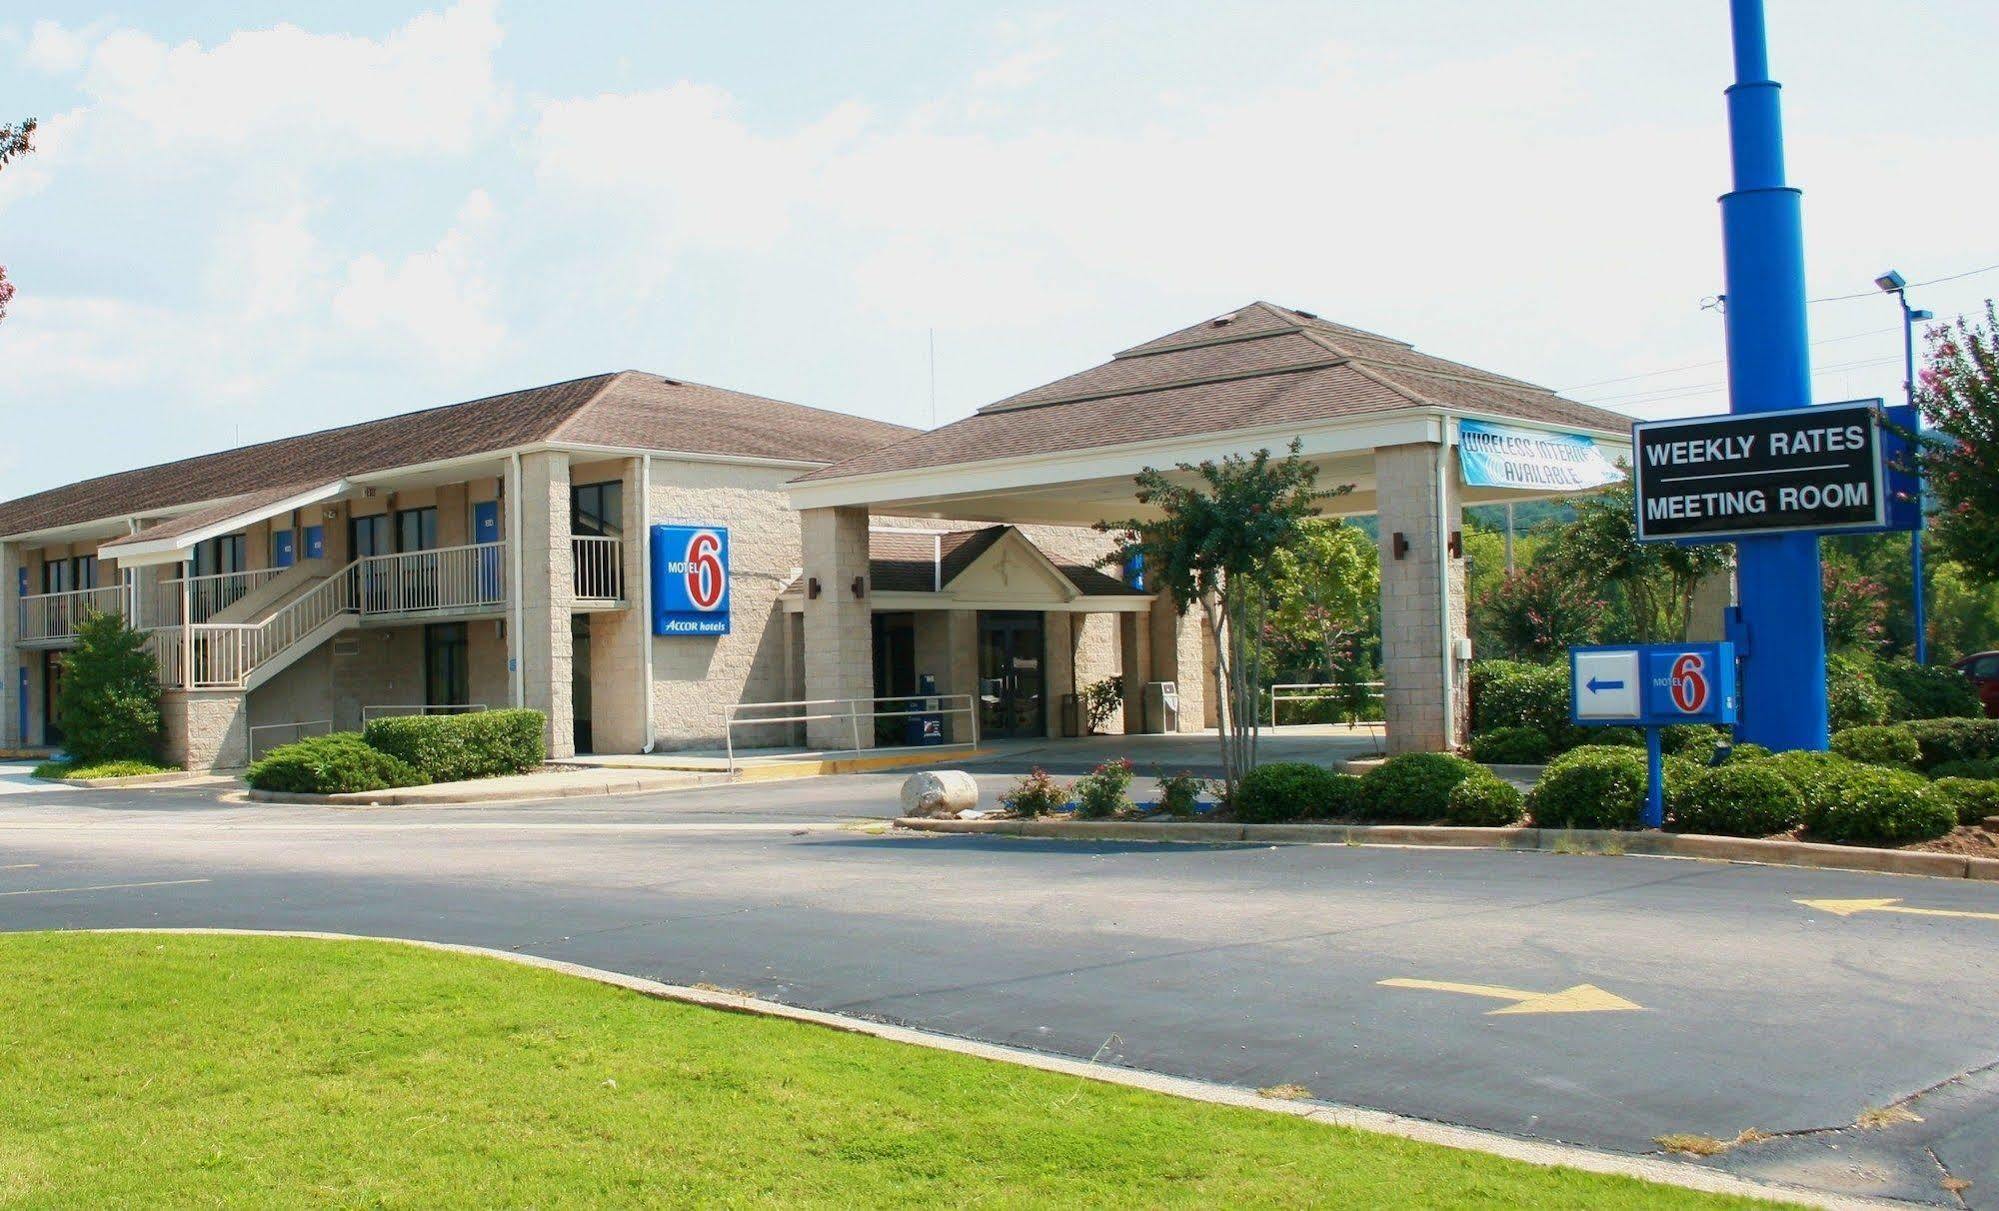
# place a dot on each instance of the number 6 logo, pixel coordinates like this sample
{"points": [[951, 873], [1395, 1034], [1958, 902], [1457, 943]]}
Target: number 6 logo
{"points": [[705, 575], [1689, 684]]}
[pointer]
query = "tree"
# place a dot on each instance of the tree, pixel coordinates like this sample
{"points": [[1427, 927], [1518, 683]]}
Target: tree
{"points": [[109, 707], [1325, 595], [1856, 608], [1538, 614], [1656, 579], [1220, 526], [1959, 398], [14, 141]]}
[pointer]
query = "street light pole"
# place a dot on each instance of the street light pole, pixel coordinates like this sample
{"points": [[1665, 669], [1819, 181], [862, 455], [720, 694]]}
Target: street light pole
{"points": [[1892, 282]]}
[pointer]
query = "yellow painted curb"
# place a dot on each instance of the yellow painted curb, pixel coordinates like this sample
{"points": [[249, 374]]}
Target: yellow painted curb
{"points": [[780, 770], [1379, 1122]]}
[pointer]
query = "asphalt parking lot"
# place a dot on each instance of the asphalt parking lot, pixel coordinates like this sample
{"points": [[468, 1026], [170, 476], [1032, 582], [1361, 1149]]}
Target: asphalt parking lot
{"points": [[1595, 1000]]}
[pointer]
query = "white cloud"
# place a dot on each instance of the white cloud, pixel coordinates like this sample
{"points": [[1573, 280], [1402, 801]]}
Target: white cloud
{"points": [[428, 87], [1016, 70], [438, 300], [679, 165]]}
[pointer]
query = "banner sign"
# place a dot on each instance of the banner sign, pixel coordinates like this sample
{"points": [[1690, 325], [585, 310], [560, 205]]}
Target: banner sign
{"points": [[690, 580], [1652, 684], [1717, 477], [1496, 456]]}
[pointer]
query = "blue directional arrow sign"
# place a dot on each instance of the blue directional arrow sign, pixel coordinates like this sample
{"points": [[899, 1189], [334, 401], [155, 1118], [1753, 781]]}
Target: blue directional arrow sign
{"points": [[1598, 685]]}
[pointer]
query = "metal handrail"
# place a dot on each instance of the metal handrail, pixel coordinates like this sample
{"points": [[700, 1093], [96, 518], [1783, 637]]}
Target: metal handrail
{"points": [[853, 714], [207, 595], [1317, 691], [300, 724], [441, 578]]}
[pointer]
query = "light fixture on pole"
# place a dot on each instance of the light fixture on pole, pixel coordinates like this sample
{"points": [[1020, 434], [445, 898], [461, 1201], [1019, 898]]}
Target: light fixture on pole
{"points": [[1893, 283]]}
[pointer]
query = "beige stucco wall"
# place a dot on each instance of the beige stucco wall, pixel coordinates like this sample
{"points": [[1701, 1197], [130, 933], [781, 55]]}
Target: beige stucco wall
{"points": [[206, 729]]}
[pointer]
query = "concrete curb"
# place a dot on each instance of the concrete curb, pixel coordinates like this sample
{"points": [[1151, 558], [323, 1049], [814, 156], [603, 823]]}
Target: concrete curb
{"points": [[167, 777], [1596, 841], [1380, 1122], [413, 796]]}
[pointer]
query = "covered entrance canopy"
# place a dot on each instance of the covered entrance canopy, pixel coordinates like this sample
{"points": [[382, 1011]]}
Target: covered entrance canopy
{"points": [[1370, 410]]}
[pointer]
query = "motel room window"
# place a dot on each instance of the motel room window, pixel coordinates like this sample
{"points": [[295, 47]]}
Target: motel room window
{"points": [[416, 529], [597, 509], [55, 576], [83, 572], [219, 556]]}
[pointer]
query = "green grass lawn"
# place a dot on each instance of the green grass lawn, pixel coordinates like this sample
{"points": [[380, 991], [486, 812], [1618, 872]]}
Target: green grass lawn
{"points": [[101, 769], [149, 1069]]}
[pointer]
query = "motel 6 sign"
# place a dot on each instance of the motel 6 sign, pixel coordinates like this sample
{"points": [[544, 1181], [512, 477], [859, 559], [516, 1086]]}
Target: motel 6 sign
{"points": [[1653, 684], [690, 580]]}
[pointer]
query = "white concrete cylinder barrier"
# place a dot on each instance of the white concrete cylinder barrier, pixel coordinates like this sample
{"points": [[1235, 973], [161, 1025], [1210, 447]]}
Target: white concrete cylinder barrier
{"points": [[939, 793]]}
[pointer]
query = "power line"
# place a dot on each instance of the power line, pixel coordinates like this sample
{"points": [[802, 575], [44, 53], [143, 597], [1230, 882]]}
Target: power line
{"points": [[1868, 294]]}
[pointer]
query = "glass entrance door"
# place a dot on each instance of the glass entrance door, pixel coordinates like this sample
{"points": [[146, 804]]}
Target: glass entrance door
{"points": [[1012, 701]]}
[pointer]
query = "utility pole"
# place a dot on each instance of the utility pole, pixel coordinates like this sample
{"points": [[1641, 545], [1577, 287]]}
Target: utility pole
{"points": [[1779, 628]]}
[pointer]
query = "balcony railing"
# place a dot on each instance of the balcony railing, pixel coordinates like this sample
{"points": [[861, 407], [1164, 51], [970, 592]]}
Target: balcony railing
{"points": [[449, 578], [598, 564], [54, 616], [207, 596]]}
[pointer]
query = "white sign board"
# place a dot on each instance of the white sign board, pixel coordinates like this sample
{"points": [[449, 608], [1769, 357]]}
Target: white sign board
{"points": [[1607, 684]]}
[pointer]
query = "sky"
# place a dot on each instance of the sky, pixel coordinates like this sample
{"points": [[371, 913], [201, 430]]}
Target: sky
{"points": [[247, 221]]}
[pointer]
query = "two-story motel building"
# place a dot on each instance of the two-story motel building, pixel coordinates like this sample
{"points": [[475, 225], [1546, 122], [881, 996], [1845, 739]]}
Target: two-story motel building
{"points": [[640, 557]]}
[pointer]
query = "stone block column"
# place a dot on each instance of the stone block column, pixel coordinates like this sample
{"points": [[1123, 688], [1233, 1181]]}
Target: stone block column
{"points": [[1421, 717], [546, 592], [1135, 658], [1058, 669], [839, 633], [11, 658], [1177, 657]]}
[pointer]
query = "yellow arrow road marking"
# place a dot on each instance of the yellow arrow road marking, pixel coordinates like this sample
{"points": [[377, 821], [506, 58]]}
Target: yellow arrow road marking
{"points": [[1582, 998], [1846, 908], [50, 891]]}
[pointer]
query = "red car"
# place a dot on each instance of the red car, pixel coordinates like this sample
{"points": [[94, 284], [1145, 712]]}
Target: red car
{"points": [[1983, 670]]}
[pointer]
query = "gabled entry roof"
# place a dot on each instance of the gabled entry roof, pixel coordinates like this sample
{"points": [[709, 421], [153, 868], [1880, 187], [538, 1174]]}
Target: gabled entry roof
{"points": [[1260, 367]]}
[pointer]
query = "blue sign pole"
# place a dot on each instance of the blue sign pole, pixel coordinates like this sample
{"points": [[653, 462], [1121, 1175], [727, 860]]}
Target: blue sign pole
{"points": [[1782, 626]]}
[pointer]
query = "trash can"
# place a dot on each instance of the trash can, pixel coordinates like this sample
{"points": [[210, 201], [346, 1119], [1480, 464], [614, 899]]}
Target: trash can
{"points": [[1072, 716], [1162, 707]]}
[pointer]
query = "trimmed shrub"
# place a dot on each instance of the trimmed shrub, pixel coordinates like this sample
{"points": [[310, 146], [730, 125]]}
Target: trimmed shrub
{"points": [[1036, 794], [1617, 737], [1890, 746], [1972, 798], [1738, 801], [1594, 787], [331, 765], [1413, 786], [454, 748], [1944, 740], [1510, 693], [1926, 691], [1881, 806], [1104, 791], [1695, 740], [1749, 752], [1180, 794], [1485, 801], [1510, 746], [1291, 790], [1852, 697], [1815, 776], [1970, 767]]}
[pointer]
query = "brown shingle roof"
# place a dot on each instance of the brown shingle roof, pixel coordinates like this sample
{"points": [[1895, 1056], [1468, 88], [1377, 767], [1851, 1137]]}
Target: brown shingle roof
{"points": [[627, 408], [214, 514], [1260, 366]]}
